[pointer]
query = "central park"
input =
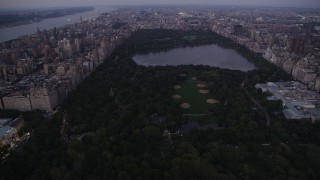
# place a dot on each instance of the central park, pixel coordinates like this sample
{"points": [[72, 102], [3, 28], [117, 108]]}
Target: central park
{"points": [[124, 121]]}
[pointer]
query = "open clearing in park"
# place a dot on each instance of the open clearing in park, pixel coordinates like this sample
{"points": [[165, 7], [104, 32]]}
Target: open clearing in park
{"points": [[190, 93]]}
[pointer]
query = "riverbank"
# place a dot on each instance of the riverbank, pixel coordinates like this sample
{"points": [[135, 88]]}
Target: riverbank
{"points": [[12, 33], [18, 18]]}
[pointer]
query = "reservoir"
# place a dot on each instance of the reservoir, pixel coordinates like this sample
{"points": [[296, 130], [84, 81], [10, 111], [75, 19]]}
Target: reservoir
{"points": [[10, 33], [211, 55]]}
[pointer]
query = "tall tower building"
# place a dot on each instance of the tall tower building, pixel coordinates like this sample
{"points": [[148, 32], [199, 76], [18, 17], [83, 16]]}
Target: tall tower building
{"points": [[77, 43], [297, 45]]}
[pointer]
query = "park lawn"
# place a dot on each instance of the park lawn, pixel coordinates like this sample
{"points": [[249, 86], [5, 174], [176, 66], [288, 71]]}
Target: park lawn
{"points": [[190, 94]]}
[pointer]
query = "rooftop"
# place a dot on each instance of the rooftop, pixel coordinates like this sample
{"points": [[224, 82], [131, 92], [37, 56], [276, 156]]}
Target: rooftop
{"points": [[4, 130], [300, 103], [4, 121]]}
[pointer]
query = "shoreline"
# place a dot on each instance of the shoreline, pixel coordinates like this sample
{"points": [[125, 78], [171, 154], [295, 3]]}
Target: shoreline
{"points": [[40, 19]]}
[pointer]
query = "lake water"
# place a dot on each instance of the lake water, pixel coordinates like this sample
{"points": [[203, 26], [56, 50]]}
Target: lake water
{"points": [[211, 55], [17, 31]]}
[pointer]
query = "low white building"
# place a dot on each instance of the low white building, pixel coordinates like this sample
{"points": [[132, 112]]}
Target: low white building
{"points": [[9, 129], [300, 103]]}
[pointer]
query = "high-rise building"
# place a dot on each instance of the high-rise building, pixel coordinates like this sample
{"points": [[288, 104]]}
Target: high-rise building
{"points": [[43, 96], [297, 45], [46, 68], [77, 43], [317, 85], [237, 29]]}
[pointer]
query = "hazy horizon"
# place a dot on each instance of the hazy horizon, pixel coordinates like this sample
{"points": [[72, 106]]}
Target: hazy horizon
{"points": [[27, 4]]}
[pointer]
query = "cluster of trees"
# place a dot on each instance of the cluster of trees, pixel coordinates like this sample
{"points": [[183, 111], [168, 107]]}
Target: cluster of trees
{"points": [[113, 108]]}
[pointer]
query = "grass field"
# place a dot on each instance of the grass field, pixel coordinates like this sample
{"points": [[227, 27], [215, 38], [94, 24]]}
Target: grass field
{"points": [[190, 94]]}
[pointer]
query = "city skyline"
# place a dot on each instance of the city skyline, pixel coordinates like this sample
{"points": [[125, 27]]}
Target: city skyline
{"points": [[220, 91], [21, 4]]}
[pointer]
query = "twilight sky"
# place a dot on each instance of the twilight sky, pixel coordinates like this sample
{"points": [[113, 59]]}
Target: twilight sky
{"points": [[63, 3]]}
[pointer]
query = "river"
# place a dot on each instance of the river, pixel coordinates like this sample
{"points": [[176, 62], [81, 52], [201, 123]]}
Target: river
{"points": [[211, 55], [17, 31]]}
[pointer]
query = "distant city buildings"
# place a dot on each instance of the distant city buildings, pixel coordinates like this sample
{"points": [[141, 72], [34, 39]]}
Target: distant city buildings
{"points": [[38, 71], [284, 37]]}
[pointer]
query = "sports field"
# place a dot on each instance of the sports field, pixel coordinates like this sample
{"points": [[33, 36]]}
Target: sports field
{"points": [[194, 96]]}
